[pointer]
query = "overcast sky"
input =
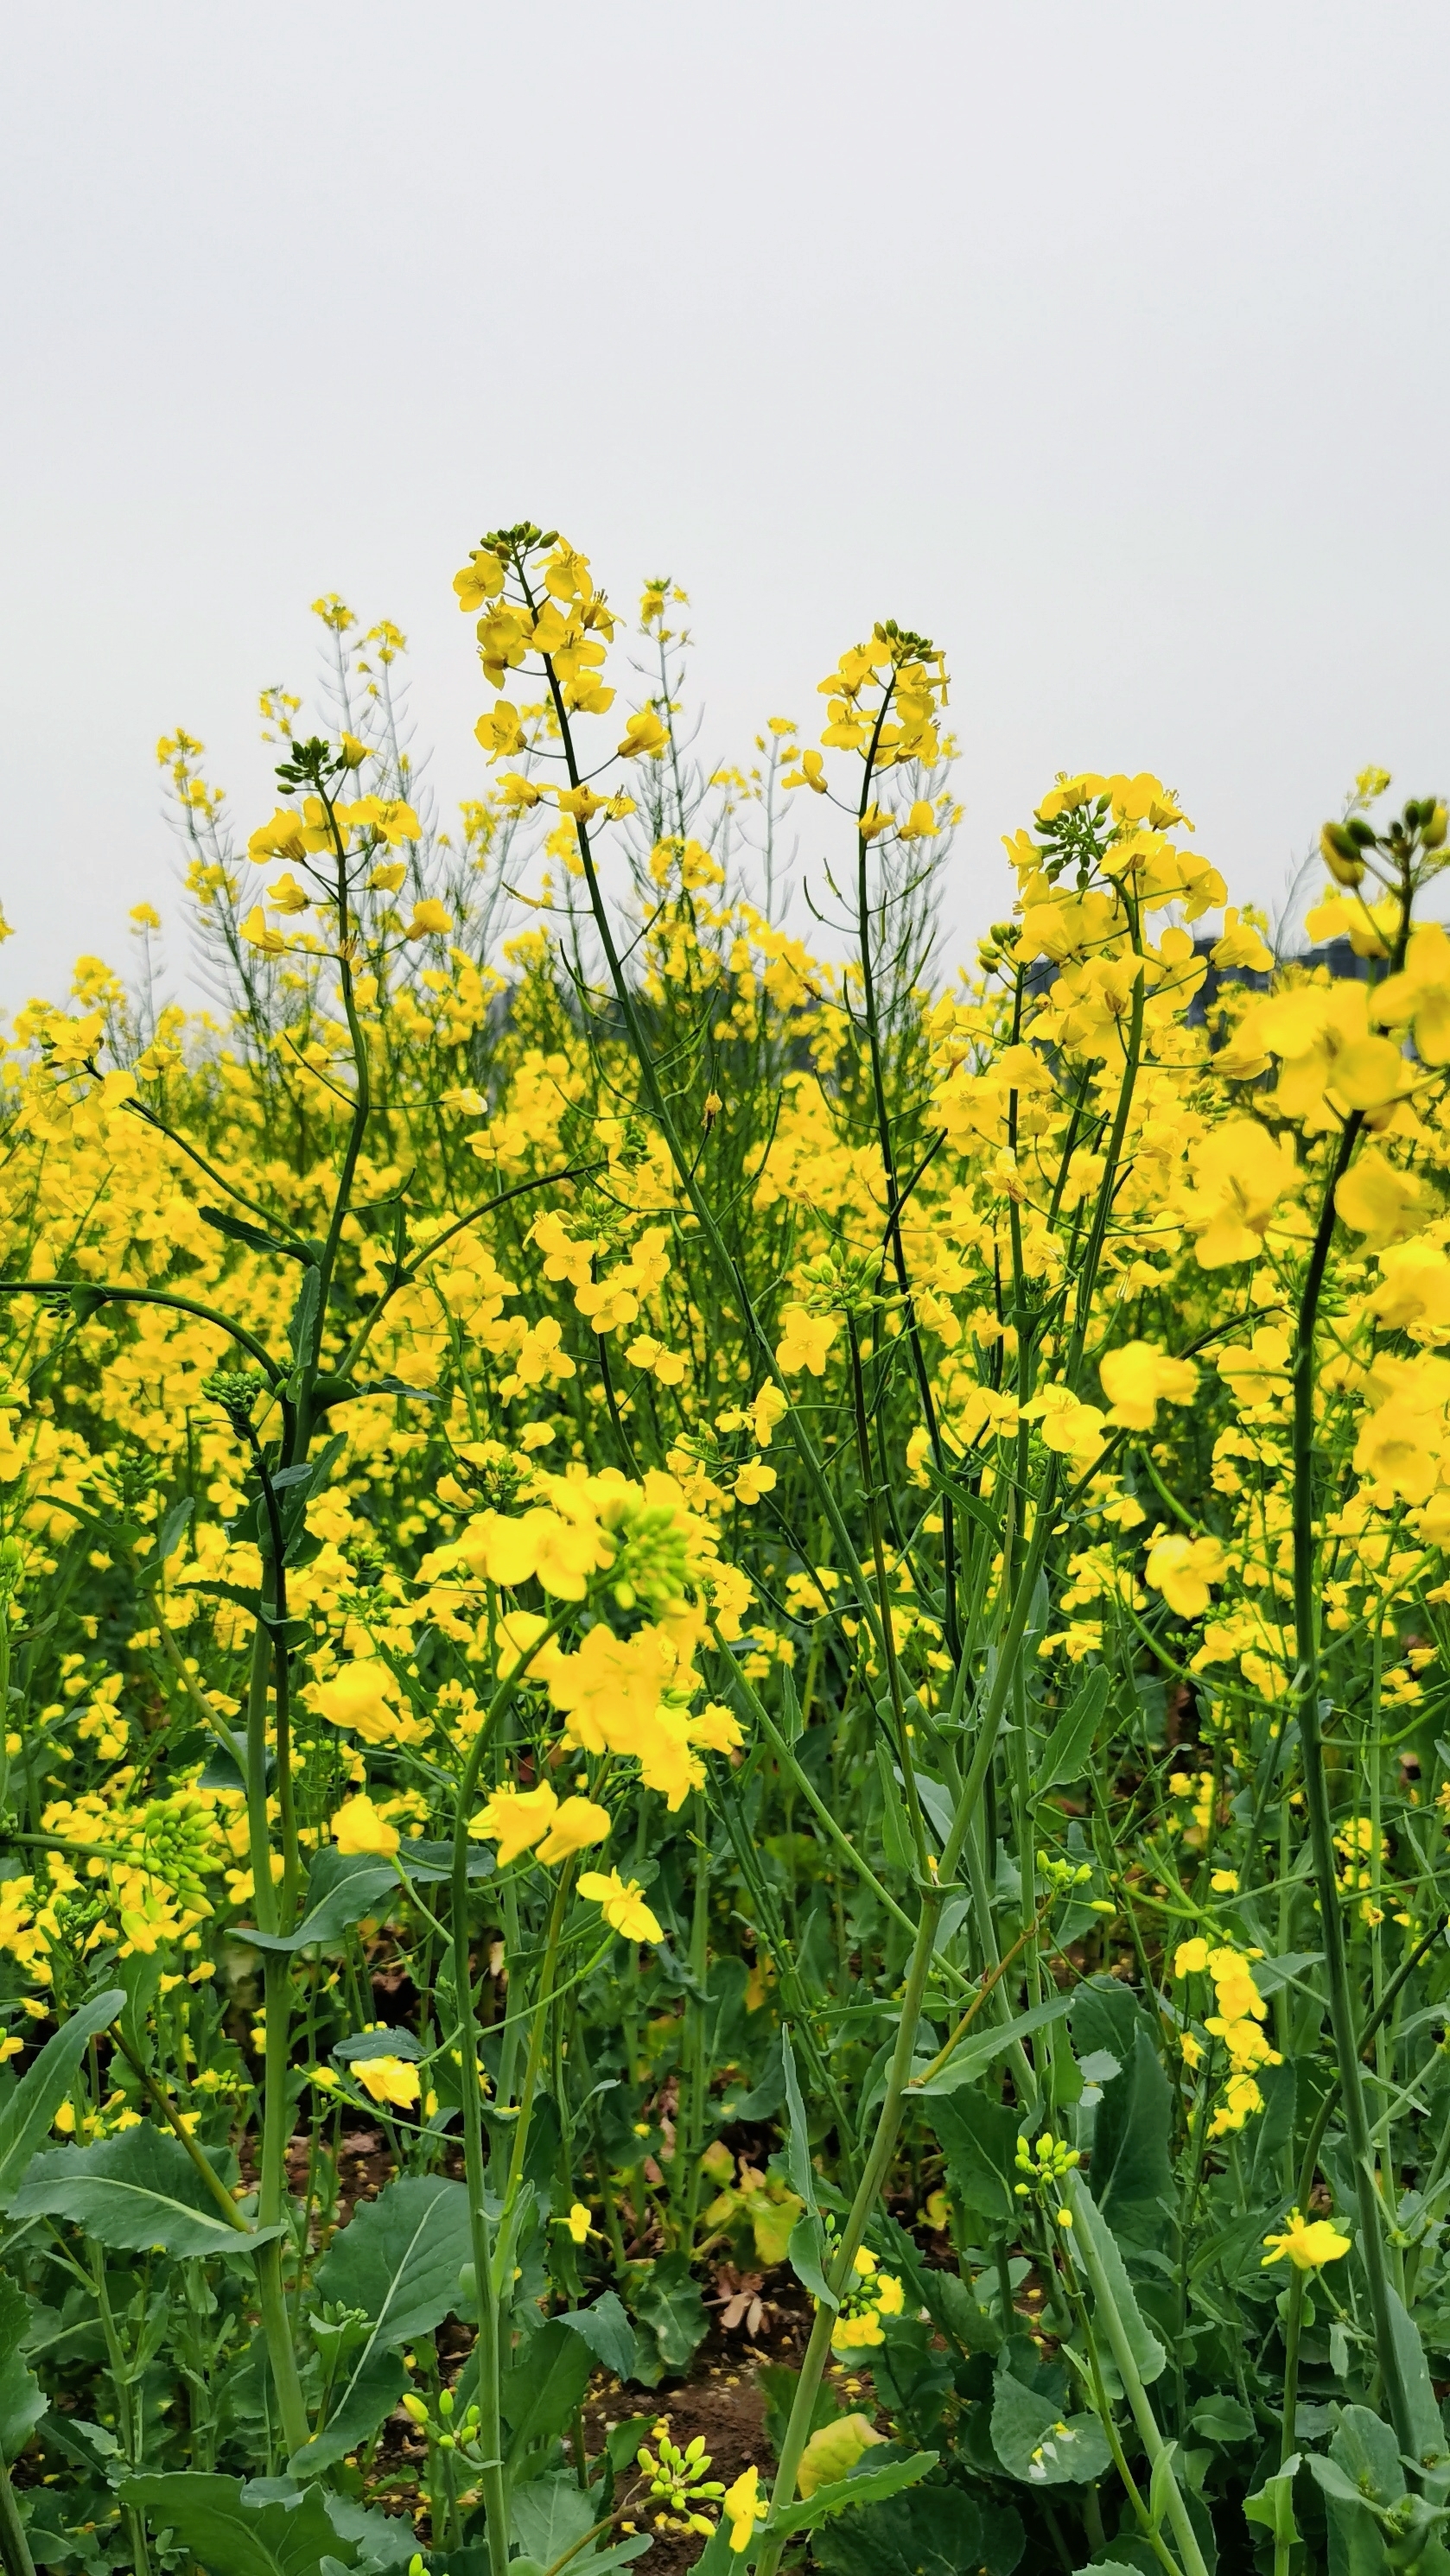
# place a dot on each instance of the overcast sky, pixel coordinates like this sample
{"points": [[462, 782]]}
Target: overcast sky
{"points": [[1104, 341]]}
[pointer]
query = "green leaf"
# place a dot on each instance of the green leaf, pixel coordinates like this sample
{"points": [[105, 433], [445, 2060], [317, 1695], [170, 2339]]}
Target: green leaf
{"points": [[544, 2386], [208, 2516], [1427, 2429], [135, 2190], [1132, 2170], [1221, 2418], [1366, 2451], [302, 1332], [895, 1824], [981, 2048], [1036, 2443], [1147, 2351], [244, 1595], [1066, 1752], [806, 2247], [361, 2045], [22, 2400], [1356, 2545], [341, 1888], [238, 1230], [1273, 2506], [550, 2514], [607, 2331], [400, 2255], [31, 2108], [368, 2394], [933, 2531], [979, 2140], [397, 2261], [384, 2539], [668, 2301], [863, 2486]]}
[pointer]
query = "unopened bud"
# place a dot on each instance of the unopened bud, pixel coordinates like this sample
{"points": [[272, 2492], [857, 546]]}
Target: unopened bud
{"points": [[1433, 831]]}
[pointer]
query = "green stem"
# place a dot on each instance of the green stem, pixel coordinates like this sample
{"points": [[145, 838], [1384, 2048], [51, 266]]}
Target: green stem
{"points": [[798, 2428], [1085, 2252], [1342, 2015], [14, 2547]]}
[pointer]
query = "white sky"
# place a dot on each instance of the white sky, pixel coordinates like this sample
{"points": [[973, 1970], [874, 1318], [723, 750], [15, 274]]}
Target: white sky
{"points": [[1103, 339]]}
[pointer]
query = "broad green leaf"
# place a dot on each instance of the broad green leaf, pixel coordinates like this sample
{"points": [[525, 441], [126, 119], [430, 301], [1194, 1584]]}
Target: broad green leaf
{"points": [[209, 2516], [1356, 2544], [954, 2308], [979, 2140], [136, 2190], [1147, 2351], [864, 2486], [550, 2514], [1366, 2451], [608, 2333], [668, 2300], [1222, 2419], [932, 2531], [981, 2048], [382, 2539], [370, 2390], [30, 2109], [341, 1888], [398, 2261], [1068, 1748], [1132, 2170], [1038, 2444], [545, 2385]]}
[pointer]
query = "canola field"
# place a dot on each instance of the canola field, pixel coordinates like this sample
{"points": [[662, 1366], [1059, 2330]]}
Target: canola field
{"points": [[724, 1665]]}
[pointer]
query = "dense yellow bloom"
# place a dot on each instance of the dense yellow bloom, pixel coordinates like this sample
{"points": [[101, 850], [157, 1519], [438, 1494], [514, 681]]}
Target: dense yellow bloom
{"points": [[1138, 1378], [1243, 1175]]}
